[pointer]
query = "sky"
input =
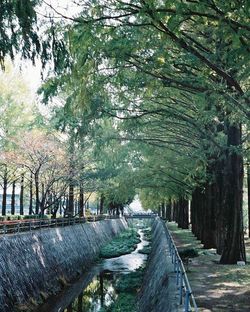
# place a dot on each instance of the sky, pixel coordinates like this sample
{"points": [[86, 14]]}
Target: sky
{"points": [[136, 204], [31, 73]]}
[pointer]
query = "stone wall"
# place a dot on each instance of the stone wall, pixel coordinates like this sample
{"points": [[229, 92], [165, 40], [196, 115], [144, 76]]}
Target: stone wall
{"points": [[37, 264], [159, 293]]}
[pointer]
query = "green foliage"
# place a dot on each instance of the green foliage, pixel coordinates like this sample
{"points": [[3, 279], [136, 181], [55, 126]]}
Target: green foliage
{"points": [[18, 29], [127, 287], [130, 283], [123, 244], [163, 85], [188, 253], [35, 216]]}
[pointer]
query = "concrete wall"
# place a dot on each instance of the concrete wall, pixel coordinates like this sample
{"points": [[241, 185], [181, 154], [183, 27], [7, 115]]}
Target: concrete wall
{"points": [[36, 264], [159, 291]]}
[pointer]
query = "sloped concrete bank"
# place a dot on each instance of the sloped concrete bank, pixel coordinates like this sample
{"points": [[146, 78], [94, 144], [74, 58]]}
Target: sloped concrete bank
{"points": [[158, 293], [37, 264]]}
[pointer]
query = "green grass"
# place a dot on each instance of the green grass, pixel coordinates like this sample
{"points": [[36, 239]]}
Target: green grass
{"points": [[123, 244]]}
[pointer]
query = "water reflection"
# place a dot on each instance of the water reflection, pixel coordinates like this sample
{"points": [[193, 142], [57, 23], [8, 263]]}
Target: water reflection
{"points": [[98, 294]]}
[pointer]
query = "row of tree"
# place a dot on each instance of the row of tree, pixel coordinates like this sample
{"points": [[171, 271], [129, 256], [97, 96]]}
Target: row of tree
{"points": [[49, 161], [164, 85]]}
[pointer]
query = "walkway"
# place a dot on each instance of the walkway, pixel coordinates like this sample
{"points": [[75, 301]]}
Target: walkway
{"points": [[216, 287]]}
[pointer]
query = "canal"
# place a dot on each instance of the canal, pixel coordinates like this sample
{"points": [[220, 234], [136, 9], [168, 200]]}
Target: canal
{"points": [[95, 290]]}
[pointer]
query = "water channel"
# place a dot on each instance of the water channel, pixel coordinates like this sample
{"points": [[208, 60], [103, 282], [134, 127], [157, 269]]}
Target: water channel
{"points": [[95, 289]]}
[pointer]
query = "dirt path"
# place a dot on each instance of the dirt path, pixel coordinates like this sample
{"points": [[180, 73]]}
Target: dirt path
{"points": [[216, 287]]}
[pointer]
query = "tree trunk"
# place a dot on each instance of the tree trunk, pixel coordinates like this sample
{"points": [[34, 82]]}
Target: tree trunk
{"points": [[4, 200], [234, 248], [159, 211], [21, 194], [102, 198], [248, 196], [31, 195], [37, 193], [13, 195], [168, 210], [196, 203], [209, 226], [81, 202], [175, 211], [71, 200], [163, 211], [183, 213]]}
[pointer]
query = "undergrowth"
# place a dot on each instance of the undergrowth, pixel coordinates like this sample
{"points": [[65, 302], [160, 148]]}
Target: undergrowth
{"points": [[123, 244]]}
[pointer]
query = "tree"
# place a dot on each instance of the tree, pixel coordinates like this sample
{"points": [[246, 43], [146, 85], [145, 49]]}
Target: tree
{"points": [[166, 71], [42, 155]]}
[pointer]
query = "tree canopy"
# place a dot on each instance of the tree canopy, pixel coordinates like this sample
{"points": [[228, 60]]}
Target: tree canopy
{"points": [[153, 95]]}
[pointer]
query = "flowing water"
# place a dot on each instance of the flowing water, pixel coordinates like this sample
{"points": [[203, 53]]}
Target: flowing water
{"points": [[95, 288]]}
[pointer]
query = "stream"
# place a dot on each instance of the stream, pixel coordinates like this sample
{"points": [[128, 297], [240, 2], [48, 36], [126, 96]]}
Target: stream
{"points": [[95, 288]]}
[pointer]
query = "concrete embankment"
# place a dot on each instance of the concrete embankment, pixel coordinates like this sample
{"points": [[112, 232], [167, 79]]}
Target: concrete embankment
{"points": [[158, 293], [37, 264]]}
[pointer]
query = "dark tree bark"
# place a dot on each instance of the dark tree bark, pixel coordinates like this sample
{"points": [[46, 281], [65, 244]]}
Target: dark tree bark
{"points": [[159, 211], [183, 213], [81, 202], [196, 211], [172, 210], [37, 193], [31, 195], [193, 212], [234, 247], [13, 197], [117, 211], [168, 210], [248, 196], [163, 210], [4, 199], [209, 225], [102, 199], [220, 230], [175, 211], [21, 194], [71, 200]]}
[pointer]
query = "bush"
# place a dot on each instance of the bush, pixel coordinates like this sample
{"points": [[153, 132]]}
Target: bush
{"points": [[35, 216], [188, 253]]}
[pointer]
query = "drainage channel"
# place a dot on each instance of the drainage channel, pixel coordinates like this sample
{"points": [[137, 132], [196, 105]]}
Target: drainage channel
{"points": [[95, 291]]}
